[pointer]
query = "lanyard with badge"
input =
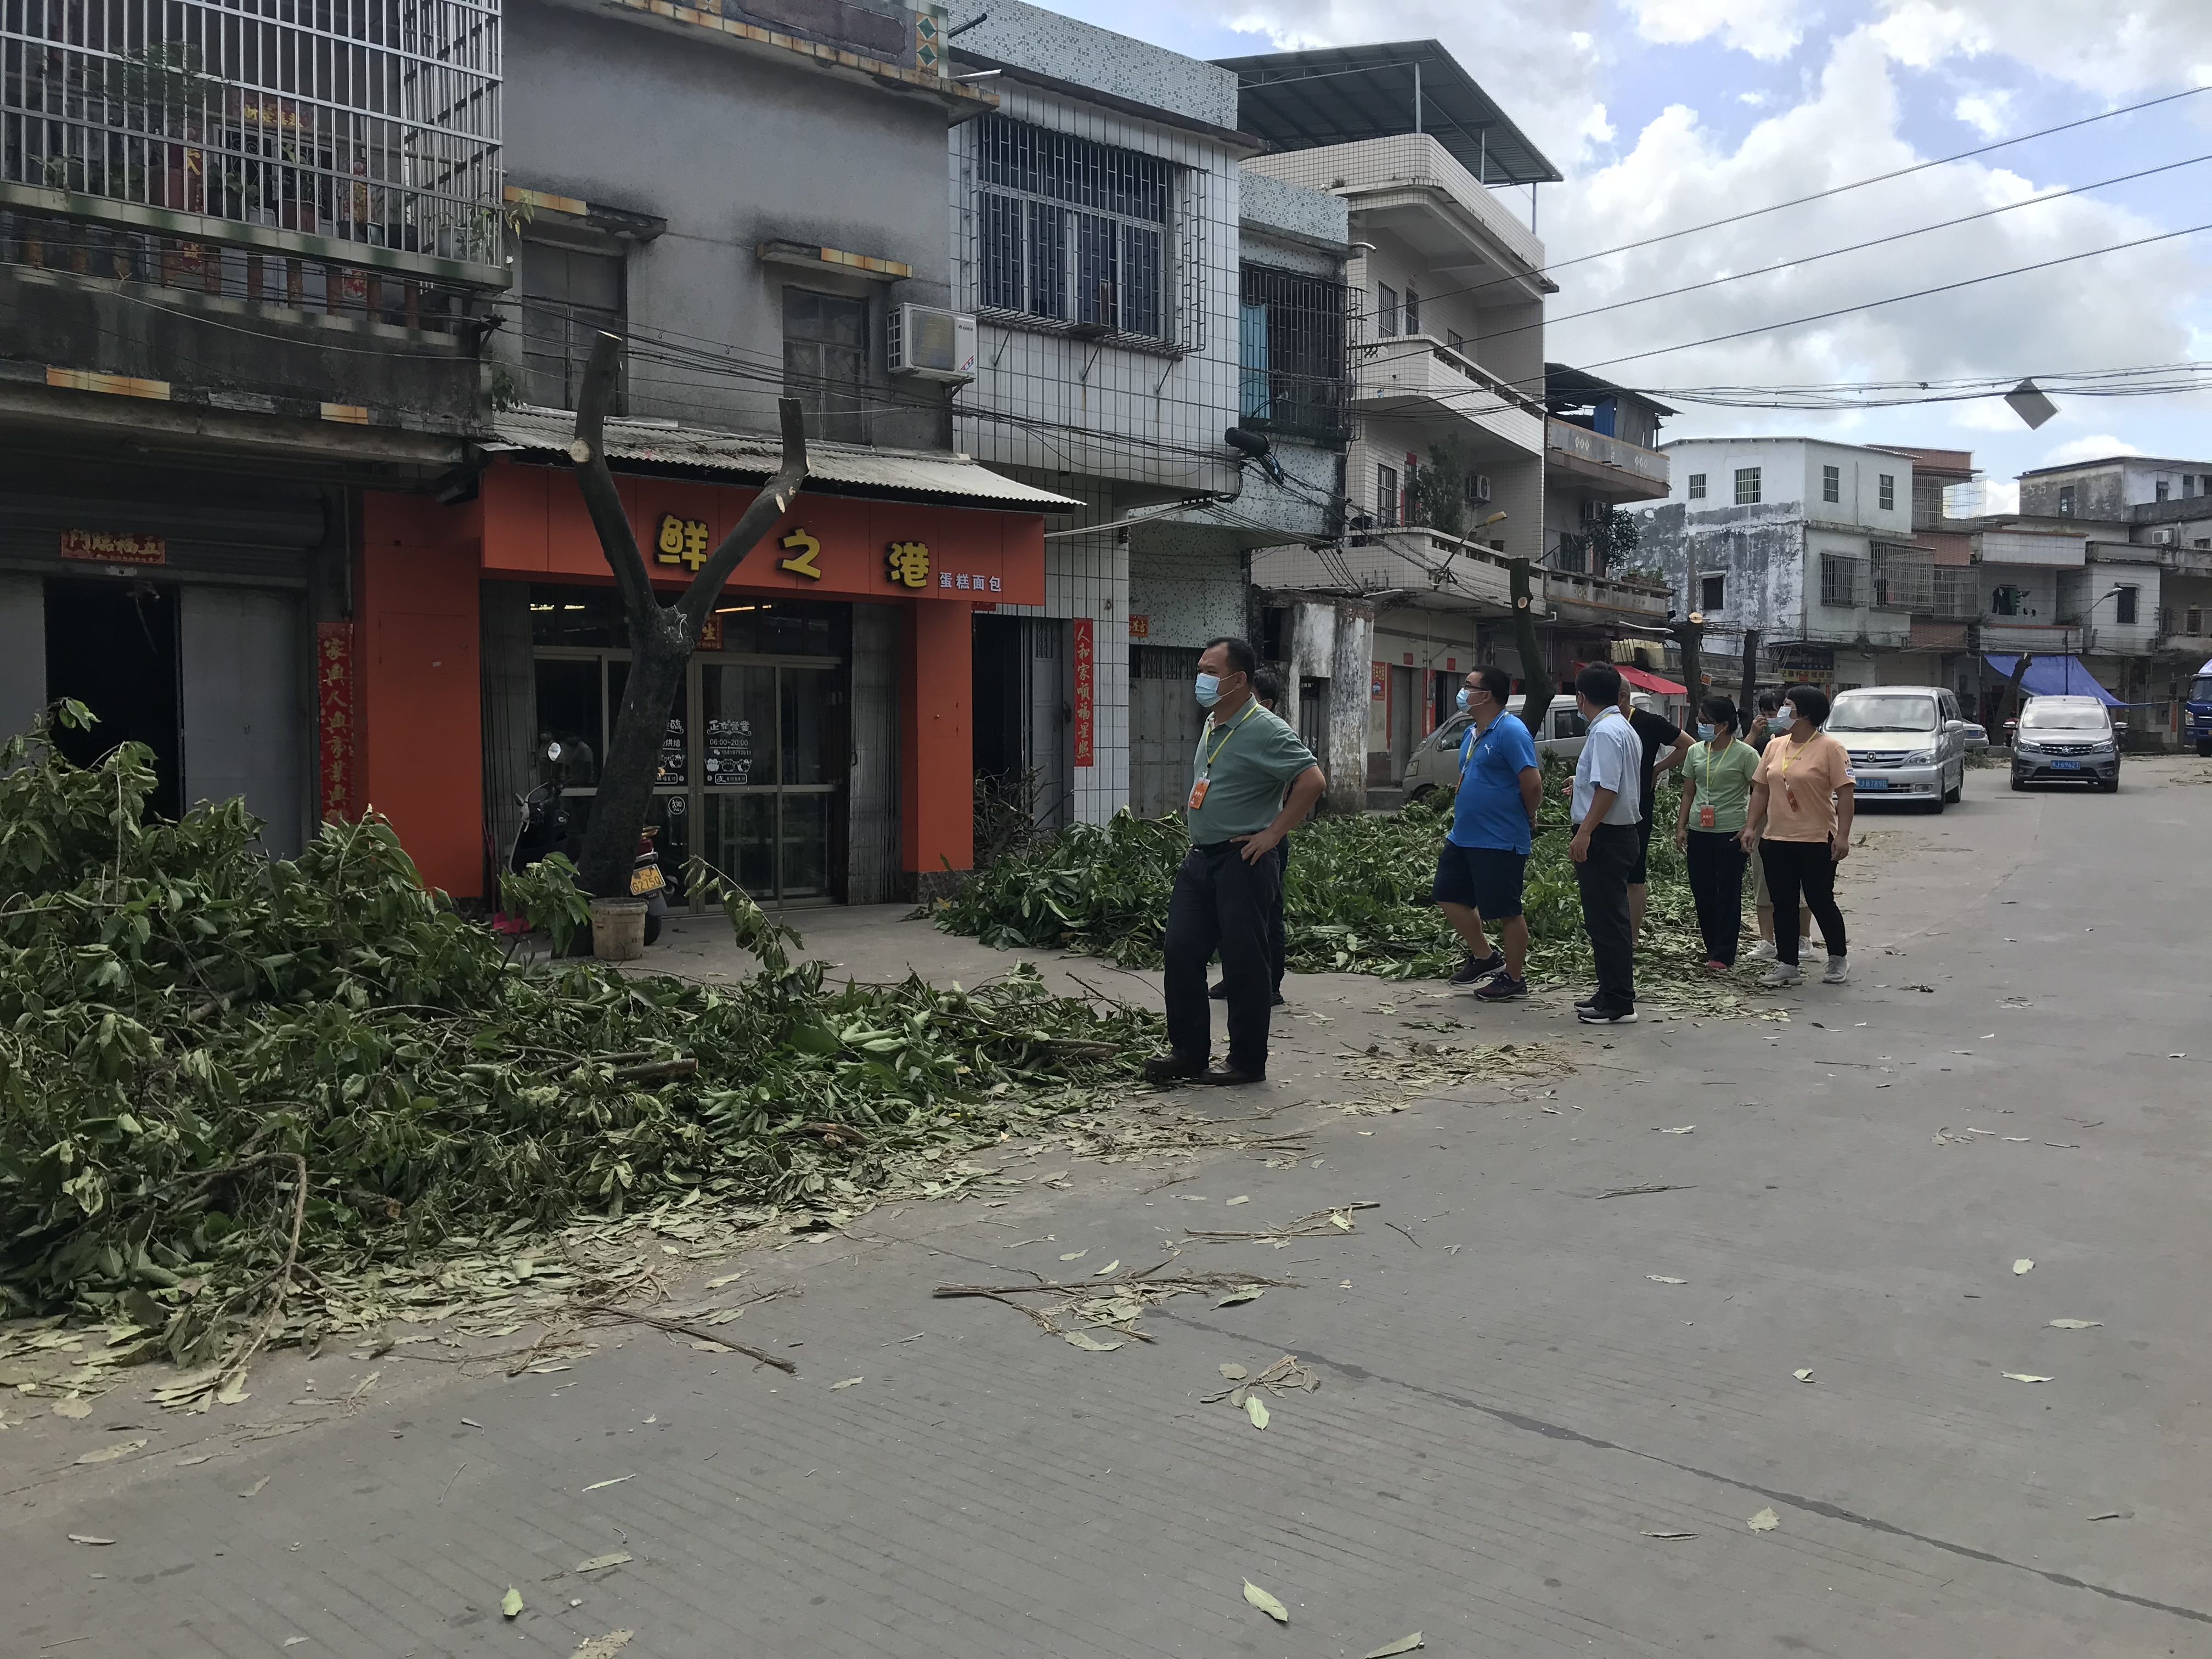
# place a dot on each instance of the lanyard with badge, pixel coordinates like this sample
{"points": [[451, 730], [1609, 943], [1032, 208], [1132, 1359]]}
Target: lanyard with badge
{"points": [[1788, 754], [1705, 806], [1198, 789]]}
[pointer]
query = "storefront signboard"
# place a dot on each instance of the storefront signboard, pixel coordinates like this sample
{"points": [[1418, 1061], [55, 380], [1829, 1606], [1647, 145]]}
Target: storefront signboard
{"points": [[111, 547]]}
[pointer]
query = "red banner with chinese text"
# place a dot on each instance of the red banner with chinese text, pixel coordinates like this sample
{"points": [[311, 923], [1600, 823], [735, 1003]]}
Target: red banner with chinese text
{"points": [[1084, 664], [334, 717]]}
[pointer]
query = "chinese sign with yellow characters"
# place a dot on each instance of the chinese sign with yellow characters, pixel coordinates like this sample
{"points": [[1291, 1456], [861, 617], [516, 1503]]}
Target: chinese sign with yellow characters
{"points": [[802, 548], [909, 564], [682, 541]]}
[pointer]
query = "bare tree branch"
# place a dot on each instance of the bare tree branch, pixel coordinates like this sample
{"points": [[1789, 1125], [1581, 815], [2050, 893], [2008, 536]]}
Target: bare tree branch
{"points": [[601, 498], [771, 504]]}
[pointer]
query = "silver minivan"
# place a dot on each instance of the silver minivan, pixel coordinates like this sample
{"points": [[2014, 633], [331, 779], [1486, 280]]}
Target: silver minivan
{"points": [[1906, 742], [1434, 763]]}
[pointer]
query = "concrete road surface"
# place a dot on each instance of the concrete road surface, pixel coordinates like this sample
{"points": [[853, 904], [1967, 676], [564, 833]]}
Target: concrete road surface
{"points": [[1547, 1420]]}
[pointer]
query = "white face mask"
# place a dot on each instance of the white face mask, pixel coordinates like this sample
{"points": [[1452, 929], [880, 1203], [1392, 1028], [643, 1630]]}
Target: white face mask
{"points": [[1787, 714], [1208, 690], [1462, 698]]}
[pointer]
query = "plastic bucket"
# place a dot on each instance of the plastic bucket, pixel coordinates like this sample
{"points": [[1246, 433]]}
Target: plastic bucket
{"points": [[618, 929]]}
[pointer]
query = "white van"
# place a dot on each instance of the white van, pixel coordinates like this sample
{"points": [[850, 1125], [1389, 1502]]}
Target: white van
{"points": [[1907, 743], [1435, 761]]}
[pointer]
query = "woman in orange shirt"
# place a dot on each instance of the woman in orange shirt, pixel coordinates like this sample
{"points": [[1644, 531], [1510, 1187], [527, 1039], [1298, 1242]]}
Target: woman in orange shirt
{"points": [[1800, 824]]}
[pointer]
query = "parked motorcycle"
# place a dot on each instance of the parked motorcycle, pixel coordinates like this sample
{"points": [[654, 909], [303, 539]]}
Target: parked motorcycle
{"points": [[547, 828]]}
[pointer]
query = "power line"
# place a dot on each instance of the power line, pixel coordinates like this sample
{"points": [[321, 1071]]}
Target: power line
{"points": [[1822, 195], [1898, 299]]}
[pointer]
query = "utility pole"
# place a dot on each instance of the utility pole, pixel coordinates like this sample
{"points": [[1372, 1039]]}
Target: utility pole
{"points": [[661, 637]]}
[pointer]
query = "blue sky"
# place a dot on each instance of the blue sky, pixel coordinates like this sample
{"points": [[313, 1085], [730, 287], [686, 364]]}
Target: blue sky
{"points": [[1669, 113]]}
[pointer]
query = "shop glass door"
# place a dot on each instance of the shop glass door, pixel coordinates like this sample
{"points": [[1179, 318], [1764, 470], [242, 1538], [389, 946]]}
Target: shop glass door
{"points": [[773, 764]]}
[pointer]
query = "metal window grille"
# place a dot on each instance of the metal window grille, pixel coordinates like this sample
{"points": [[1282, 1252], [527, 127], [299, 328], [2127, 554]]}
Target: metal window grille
{"points": [[2195, 616], [1747, 486], [368, 125], [1291, 353], [1955, 592], [1904, 580], [1843, 581], [1697, 486], [1070, 230]]}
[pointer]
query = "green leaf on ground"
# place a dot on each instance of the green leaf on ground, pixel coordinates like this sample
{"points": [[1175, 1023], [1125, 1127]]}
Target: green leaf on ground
{"points": [[1266, 1603], [1403, 1644], [1257, 1409], [1765, 1521], [1244, 1293], [2028, 1376], [2077, 1324], [109, 1453], [510, 1605], [2023, 1264], [598, 1562], [1089, 1343], [1234, 1373]]}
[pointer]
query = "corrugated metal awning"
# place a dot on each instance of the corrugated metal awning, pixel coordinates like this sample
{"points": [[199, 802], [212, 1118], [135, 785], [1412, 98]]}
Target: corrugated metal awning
{"points": [[935, 473]]}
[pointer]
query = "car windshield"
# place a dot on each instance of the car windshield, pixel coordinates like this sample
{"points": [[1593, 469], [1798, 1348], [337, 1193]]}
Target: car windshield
{"points": [[1883, 713], [2201, 691], [2064, 717]]}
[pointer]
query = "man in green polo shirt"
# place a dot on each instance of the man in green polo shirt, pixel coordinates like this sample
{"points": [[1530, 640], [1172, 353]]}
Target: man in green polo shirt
{"points": [[1226, 891]]}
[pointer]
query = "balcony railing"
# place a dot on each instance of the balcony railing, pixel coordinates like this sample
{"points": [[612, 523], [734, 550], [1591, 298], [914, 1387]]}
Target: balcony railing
{"points": [[1418, 368], [367, 133], [1595, 447]]}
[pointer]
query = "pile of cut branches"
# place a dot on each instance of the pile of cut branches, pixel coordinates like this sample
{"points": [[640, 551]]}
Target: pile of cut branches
{"points": [[1356, 898], [225, 1079]]}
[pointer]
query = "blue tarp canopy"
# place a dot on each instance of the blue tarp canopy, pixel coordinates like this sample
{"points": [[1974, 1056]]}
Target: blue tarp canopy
{"points": [[2055, 676]]}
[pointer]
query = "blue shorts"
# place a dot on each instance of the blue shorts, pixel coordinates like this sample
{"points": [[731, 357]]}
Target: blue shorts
{"points": [[1485, 879]]}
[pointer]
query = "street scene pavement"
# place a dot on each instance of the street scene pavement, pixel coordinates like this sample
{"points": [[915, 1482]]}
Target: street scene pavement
{"points": [[1866, 1324]]}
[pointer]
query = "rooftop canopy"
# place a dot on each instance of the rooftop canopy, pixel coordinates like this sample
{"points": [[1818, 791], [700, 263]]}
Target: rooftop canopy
{"points": [[1569, 388], [1342, 94]]}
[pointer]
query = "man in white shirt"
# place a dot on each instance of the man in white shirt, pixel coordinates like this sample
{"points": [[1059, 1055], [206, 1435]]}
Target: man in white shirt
{"points": [[1606, 806]]}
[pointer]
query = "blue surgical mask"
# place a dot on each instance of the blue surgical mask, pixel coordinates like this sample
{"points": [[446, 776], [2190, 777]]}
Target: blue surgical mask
{"points": [[1209, 690], [1463, 700], [1704, 731]]}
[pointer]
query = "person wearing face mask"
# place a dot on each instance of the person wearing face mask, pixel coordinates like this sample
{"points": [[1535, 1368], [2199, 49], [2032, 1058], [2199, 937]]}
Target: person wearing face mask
{"points": [[1252, 780], [1605, 808], [1717, 780], [1267, 691], [1761, 730], [1800, 824], [1479, 871]]}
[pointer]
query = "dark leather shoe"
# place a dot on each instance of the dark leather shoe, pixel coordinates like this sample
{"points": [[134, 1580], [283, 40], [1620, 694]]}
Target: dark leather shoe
{"points": [[1224, 1076], [1172, 1069], [1220, 993]]}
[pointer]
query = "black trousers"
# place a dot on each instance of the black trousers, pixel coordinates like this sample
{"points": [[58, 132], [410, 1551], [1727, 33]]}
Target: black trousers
{"points": [[1716, 860], [1603, 878], [1282, 856], [1223, 904], [1802, 873]]}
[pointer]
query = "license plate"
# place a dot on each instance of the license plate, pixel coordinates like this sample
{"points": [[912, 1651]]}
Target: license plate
{"points": [[1873, 783], [2065, 766], [647, 880]]}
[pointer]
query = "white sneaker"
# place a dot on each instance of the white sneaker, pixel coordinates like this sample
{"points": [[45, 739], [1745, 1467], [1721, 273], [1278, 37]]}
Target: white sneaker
{"points": [[1762, 951], [1839, 971], [1780, 975]]}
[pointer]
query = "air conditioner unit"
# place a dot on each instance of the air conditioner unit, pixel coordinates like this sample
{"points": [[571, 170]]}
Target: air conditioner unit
{"points": [[2167, 535], [1480, 485], [932, 344], [1592, 510]]}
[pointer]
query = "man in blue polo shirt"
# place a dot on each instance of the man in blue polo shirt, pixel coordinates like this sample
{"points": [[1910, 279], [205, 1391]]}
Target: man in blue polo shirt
{"points": [[1485, 850]]}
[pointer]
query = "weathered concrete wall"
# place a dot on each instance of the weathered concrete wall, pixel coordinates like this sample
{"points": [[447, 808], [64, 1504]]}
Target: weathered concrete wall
{"points": [[1346, 760], [1759, 552]]}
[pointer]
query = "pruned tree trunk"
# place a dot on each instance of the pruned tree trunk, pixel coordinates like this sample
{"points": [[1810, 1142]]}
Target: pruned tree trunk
{"points": [[661, 637], [1537, 679], [1748, 701], [1691, 636], [2010, 709]]}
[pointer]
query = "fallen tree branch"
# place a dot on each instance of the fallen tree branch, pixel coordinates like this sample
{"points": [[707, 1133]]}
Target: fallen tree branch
{"points": [[236, 1369], [609, 1310], [1320, 1222], [1139, 1281]]}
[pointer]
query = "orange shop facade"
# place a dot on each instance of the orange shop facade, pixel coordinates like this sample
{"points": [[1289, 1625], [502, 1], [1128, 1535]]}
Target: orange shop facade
{"points": [[822, 750]]}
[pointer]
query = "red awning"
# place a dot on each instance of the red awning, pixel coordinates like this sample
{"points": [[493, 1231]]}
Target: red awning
{"points": [[1644, 680]]}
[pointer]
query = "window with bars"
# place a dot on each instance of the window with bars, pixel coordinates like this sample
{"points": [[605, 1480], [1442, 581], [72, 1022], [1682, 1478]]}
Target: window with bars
{"points": [[1904, 580], [374, 124], [1843, 581], [1697, 486], [1290, 353], [1747, 486], [1073, 231], [1955, 592], [570, 296]]}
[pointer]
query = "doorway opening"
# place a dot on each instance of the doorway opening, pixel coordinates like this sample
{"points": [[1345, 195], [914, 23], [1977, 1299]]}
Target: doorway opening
{"points": [[112, 646]]}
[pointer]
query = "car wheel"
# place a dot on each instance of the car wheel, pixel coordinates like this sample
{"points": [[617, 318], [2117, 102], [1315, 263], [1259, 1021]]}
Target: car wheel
{"points": [[2111, 788], [2204, 748], [2019, 782], [1957, 791], [1421, 793]]}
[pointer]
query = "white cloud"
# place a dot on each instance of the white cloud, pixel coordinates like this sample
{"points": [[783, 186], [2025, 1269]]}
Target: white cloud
{"points": [[2088, 449], [2107, 46], [1679, 174], [1765, 29], [1988, 113]]}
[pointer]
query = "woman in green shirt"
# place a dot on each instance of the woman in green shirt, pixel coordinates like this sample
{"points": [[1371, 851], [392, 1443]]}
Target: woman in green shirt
{"points": [[1717, 776]]}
